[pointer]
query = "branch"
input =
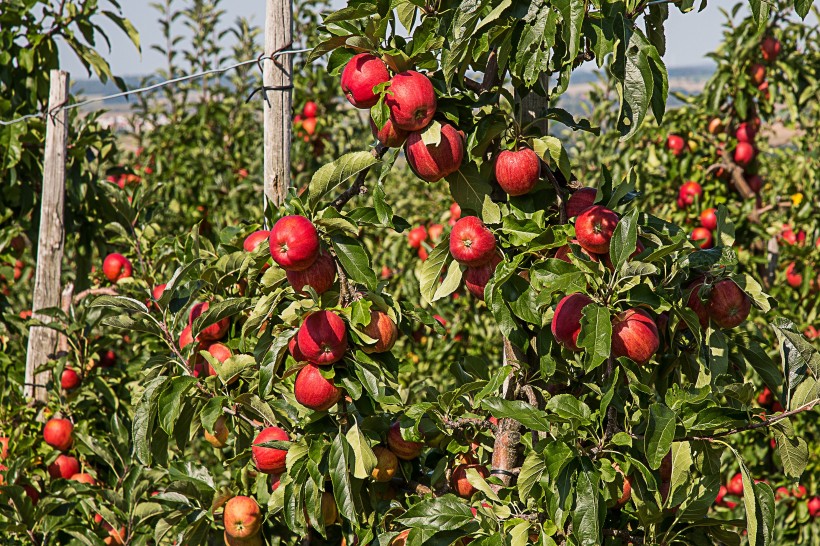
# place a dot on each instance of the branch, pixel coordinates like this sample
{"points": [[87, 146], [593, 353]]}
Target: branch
{"points": [[411, 486], [94, 292], [253, 423], [626, 535], [561, 192], [469, 422], [358, 187]]}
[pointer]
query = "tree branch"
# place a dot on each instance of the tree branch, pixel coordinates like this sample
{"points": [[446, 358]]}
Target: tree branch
{"points": [[94, 292]]}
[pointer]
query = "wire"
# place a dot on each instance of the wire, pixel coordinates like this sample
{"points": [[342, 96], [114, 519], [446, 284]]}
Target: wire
{"points": [[156, 85]]}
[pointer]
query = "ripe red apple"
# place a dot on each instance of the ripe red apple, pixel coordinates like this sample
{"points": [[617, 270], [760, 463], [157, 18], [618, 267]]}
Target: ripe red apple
{"points": [[403, 449], [4, 447], [416, 236], [688, 193], [242, 517], [745, 132], [185, 337], [309, 125], [566, 322], [708, 219], [293, 347], [423, 254], [744, 153], [800, 491], [594, 228], [715, 126], [433, 162], [701, 237], [294, 243], [476, 278], [310, 110], [313, 391], [321, 275], [108, 359], [383, 330], [755, 183], [70, 379], [635, 335], [269, 459], [766, 397], [435, 231], [213, 332], [735, 485], [758, 73], [813, 505], [787, 235], [64, 466], [728, 304], [361, 74], [675, 144], [389, 135], [517, 172], [32, 494], [471, 242], [221, 353], [455, 213], [412, 100], [580, 200], [158, 290], [458, 479], [83, 478], [793, 276], [255, 239], [770, 48], [59, 434], [220, 435], [322, 338], [116, 267]]}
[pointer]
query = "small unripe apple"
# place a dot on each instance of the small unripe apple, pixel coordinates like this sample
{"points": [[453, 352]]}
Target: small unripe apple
{"points": [[389, 135], [735, 485], [59, 434], [64, 466], [220, 436], [213, 332], [715, 126], [381, 328], [770, 48], [566, 322], [361, 74], [294, 243], [313, 391], [416, 236], [459, 483], [403, 449], [517, 172], [594, 228], [708, 218], [728, 304], [320, 276], [471, 242], [432, 162], [386, 464], [635, 336], [580, 200], [744, 153], [83, 477], [745, 132], [116, 267], [242, 517], [675, 144], [793, 276], [701, 237], [688, 193], [330, 512], [255, 239], [412, 100], [758, 73], [310, 110], [476, 278], [322, 338], [269, 459]]}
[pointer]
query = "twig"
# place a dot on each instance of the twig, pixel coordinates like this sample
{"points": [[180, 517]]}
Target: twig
{"points": [[93, 292], [468, 422], [625, 535], [413, 487], [561, 193], [255, 424], [358, 187]]}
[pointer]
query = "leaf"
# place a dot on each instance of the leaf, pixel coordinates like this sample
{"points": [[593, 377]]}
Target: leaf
{"points": [[590, 509], [552, 151], [171, 400], [354, 260], [624, 239], [567, 406], [217, 311], [437, 263], [531, 472], [431, 135], [445, 513], [528, 416], [660, 432], [339, 458], [364, 458], [333, 174], [794, 454], [469, 186], [596, 335], [478, 481], [120, 303]]}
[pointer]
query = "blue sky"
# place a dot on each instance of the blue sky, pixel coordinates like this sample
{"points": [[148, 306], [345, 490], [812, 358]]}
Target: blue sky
{"points": [[689, 36]]}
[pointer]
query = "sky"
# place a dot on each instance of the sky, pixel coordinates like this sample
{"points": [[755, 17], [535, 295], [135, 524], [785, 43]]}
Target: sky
{"points": [[689, 36]]}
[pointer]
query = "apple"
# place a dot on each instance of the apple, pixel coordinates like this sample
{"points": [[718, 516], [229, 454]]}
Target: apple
{"points": [[400, 539], [294, 243], [435, 161], [745, 132], [471, 242], [360, 75], [476, 278], [70, 379], [185, 337], [320, 276], [594, 228], [721, 494], [220, 435], [32, 494], [715, 126], [381, 328], [735, 485], [310, 110], [787, 235], [158, 290], [322, 338], [635, 336], [708, 219], [435, 231], [770, 48], [455, 213], [255, 239], [688, 193], [517, 172], [389, 135], [59, 434], [116, 267], [580, 200], [412, 100], [459, 483], [566, 322], [758, 73], [675, 144], [269, 459], [4, 447], [309, 125], [221, 353], [213, 332], [755, 182], [386, 464], [766, 397], [242, 517], [313, 391], [793, 276], [416, 236], [108, 359], [799, 492], [401, 448], [64, 466], [293, 347], [701, 237], [813, 505], [255, 540], [744, 153], [330, 513], [728, 305], [84, 478]]}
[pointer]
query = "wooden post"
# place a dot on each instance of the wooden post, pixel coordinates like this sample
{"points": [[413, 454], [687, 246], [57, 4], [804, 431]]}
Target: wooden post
{"points": [[278, 106], [42, 342]]}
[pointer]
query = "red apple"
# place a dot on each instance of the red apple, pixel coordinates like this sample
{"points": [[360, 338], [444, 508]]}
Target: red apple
{"points": [[517, 172], [793, 276], [255, 239], [433, 162], [471, 242], [59, 434], [728, 304], [566, 322], [435, 231], [688, 193], [381, 328], [458, 479], [412, 100], [403, 449], [455, 213], [675, 144], [635, 335], [321, 275], [766, 397], [221, 353], [758, 73], [423, 254], [294, 243], [70, 379], [309, 125], [697, 305], [4, 447], [64, 466], [800, 491], [735, 485], [580, 200], [744, 153], [269, 459], [745, 132], [770, 48], [83, 478], [293, 347], [416, 236], [32, 494], [813, 505], [594, 228], [389, 135], [242, 517], [361, 74], [108, 359], [701, 237], [213, 332], [715, 126], [708, 219], [116, 267], [322, 338], [755, 183], [185, 337], [476, 278], [158, 290], [313, 391], [310, 110]]}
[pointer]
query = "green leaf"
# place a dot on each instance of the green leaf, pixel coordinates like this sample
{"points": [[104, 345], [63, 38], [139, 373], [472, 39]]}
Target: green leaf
{"points": [[794, 454], [624, 239], [445, 513], [532, 470], [527, 415], [217, 311], [437, 263], [469, 186], [333, 174], [567, 406], [354, 260], [171, 400], [590, 509], [431, 135], [660, 432], [476, 480], [343, 492], [596, 335], [552, 151], [363, 457]]}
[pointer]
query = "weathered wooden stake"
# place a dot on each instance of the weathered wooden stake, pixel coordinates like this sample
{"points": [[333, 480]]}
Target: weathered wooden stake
{"points": [[278, 72], [42, 342]]}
